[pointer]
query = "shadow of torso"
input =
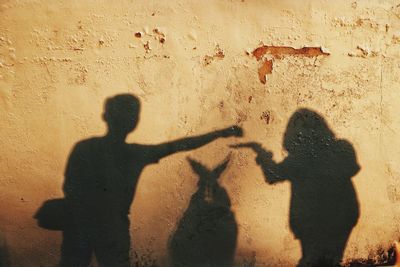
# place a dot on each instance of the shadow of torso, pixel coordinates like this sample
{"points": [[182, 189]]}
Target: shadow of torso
{"points": [[324, 206], [103, 176], [100, 184]]}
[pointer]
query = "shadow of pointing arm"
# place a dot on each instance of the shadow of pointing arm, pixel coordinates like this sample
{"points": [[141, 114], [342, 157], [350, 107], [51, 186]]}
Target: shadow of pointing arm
{"points": [[273, 172], [157, 152]]}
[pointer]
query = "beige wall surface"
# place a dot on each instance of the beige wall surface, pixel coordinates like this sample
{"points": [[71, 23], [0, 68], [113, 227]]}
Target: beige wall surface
{"points": [[193, 69]]}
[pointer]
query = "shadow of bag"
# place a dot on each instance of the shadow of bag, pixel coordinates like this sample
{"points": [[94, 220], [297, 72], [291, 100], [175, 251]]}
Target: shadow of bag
{"points": [[52, 214]]}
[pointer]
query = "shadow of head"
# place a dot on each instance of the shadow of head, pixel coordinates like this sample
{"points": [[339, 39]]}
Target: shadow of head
{"points": [[306, 129], [208, 178], [121, 113]]}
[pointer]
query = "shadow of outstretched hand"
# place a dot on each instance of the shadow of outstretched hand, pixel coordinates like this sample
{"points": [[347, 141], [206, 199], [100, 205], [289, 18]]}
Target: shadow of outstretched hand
{"points": [[262, 154], [235, 131]]}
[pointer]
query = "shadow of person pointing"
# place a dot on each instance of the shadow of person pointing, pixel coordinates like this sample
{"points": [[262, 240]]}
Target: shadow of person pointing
{"points": [[101, 177], [324, 206]]}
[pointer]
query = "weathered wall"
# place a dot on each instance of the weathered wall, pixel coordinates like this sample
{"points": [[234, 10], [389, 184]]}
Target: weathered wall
{"points": [[59, 61]]}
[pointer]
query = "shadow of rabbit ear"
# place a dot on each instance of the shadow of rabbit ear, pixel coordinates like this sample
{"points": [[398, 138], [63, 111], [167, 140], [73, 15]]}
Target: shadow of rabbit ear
{"points": [[197, 167], [221, 167]]}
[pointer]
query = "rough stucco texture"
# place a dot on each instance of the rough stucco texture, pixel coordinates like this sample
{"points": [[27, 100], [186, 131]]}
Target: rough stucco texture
{"points": [[192, 66]]}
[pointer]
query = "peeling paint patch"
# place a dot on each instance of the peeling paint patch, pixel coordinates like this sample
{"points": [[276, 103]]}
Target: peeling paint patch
{"points": [[266, 68], [278, 52], [364, 52], [218, 54]]}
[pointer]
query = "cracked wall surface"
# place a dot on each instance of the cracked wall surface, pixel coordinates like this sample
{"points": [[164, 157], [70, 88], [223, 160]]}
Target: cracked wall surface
{"points": [[193, 66]]}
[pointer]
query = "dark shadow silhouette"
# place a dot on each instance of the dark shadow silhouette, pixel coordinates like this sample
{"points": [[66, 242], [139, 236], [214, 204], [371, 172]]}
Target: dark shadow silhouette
{"points": [[100, 182], [52, 214], [206, 235], [4, 253], [324, 206]]}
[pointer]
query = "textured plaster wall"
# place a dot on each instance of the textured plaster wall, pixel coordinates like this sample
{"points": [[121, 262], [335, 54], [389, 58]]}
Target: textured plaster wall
{"points": [[59, 61]]}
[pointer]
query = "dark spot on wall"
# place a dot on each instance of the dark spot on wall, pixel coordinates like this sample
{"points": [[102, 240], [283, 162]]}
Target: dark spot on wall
{"points": [[138, 34], [219, 53], [266, 116], [160, 36], [207, 60], [147, 47], [221, 105]]}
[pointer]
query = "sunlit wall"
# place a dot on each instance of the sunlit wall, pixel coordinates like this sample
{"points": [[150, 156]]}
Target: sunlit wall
{"points": [[191, 65]]}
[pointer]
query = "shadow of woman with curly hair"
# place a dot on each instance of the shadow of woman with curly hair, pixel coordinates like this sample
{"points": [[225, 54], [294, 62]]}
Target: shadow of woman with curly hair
{"points": [[324, 206]]}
